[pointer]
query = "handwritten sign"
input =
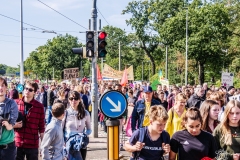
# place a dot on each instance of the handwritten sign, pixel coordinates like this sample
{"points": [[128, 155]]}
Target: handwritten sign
{"points": [[109, 72], [227, 79], [236, 97], [71, 73]]}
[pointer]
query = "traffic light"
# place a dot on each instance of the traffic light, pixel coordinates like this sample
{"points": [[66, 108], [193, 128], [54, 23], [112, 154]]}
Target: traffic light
{"points": [[102, 44], [90, 43], [80, 51]]}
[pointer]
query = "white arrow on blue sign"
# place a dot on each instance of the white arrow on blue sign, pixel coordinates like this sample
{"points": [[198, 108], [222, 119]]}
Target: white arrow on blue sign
{"points": [[20, 87], [113, 104]]}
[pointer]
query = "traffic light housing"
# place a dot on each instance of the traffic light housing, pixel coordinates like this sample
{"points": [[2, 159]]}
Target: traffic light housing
{"points": [[102, 44], [89, 43], [80, 51]]}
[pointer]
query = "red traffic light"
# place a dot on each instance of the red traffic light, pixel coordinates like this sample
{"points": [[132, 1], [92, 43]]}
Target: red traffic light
{"points": [[102, 35]]}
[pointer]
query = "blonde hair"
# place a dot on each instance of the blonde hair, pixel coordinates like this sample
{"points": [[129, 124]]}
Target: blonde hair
{"points": [[79, 88], [217, 96], [224, 125], [61, 92], [158, 112], [180, 96]]}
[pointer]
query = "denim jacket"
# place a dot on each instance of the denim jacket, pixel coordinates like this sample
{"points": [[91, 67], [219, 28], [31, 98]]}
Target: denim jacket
{"points": [[138, 113]]}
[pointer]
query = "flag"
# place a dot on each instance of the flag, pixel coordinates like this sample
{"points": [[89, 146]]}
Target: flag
{"points": [[160, 75], [99, 76], [124, 80]]}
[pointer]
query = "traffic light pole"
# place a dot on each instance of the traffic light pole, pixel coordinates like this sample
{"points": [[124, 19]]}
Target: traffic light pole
{"points": [[94, 75]]}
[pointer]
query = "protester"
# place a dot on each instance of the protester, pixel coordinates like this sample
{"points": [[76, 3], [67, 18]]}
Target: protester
{"points": [[53, 140], [50, 99], [76, 119], [141, 109], [219, 98], [42, 97], [61, 98], [197, 98], [155, 140], [8, 117], [176, 114], [227, 133], [231, 91], [66, 90], [162, 100], [192, 143], [209, 111], [13, 93], [171, 97], [27, 131]]}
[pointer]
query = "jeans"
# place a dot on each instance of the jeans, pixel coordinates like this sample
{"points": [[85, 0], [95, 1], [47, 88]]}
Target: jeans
{"points": [[30, 153], [76, 155], [49, 114], [9, 153]]}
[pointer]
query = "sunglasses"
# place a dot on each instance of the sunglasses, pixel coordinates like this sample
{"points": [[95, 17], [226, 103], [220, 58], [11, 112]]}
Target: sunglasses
{"points": [[29, 89], [71, 98]]}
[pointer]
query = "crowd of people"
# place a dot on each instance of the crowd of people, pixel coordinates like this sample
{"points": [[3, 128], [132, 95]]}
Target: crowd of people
{"points": [[187, 122]]}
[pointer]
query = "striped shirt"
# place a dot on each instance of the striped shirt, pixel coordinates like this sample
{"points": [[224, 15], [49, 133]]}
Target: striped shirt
{"points": [[33, 124]]}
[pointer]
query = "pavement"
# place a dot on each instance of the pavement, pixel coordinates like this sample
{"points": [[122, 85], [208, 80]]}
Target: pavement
{"points": [[97, 147]]}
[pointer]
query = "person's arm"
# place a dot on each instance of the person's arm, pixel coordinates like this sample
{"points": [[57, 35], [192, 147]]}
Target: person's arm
{"points": [[41, 124], [12, 116], [134, 117], [172, 155], [174, 145], [46, 141], [88, 124], [132, 148], [168, 126]]}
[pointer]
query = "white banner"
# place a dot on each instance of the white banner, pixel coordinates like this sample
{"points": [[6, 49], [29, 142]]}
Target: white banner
{"points": [[227, 79], [237, 97]]}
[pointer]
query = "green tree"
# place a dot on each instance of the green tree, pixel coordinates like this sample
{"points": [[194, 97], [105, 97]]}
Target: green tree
{"points": [[208, 34], [140, 22], [56, 53]]}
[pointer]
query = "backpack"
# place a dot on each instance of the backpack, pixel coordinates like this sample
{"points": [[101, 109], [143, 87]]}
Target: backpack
{"points": [[142, 132]]}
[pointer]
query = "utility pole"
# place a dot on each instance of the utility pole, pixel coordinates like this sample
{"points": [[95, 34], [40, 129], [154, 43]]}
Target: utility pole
{"points": [[119, 65], [142, 71], [166, 66], [21, 45], [186, 63], [94, 74]]}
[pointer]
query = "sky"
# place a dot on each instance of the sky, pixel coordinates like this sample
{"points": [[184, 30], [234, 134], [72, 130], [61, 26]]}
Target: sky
{"points": [[39, 15]]}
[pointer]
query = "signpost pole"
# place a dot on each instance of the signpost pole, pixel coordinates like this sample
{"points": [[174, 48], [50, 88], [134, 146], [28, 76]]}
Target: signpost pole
{"points": [[94, 75], [113, 138], [113, 105]]}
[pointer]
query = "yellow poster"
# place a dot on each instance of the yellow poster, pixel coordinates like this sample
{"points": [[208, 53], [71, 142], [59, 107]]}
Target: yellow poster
{"points": [[109, 72]]}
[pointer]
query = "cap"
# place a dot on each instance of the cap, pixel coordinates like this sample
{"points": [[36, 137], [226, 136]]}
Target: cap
{"points": [[147, 89], [230, 87]]}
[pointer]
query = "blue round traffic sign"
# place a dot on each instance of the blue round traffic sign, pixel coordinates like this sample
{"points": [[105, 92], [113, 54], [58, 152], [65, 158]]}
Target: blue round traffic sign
{"points": [[113, 104], [20, 87]]}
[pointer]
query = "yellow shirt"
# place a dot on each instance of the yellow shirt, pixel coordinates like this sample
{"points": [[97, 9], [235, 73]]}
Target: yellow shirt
{"points": [[174, 124], [146, 121]]}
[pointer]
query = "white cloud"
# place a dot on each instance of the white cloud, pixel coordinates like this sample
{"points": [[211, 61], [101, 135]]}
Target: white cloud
{"points": [[60, 4]]}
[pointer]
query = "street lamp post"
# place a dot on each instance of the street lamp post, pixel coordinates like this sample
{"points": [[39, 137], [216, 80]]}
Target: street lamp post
{"points": [[21, 45], [119, 62], [142, 70], [149, 71], [186, 63]]}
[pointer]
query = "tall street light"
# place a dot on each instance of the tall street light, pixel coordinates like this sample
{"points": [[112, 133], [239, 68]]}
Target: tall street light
{"points": [[142, 70], [21, 45], [119, 62], [186, 63]]}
